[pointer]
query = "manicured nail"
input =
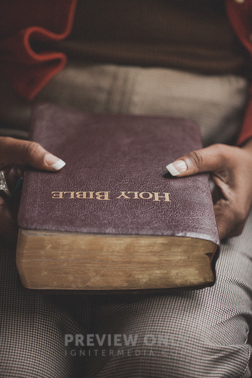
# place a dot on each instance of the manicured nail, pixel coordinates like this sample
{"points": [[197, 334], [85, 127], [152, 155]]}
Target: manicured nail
{"points": [[177, 167], [54, 162]]}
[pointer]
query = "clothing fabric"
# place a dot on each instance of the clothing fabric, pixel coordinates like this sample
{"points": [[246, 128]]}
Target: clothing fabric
{"points": [[216, 103], [193, 36], [187, 334], [28, 70], [196, 338]]}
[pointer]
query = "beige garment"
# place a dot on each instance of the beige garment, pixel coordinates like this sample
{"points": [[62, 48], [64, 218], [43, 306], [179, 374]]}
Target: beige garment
{"points": [[216, 103]]}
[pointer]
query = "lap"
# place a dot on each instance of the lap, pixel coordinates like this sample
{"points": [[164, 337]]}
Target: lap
{"points": [[33, 327], [185, 334]]}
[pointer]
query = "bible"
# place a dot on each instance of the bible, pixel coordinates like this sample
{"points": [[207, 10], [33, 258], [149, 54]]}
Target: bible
{"points": [[113, 219]]}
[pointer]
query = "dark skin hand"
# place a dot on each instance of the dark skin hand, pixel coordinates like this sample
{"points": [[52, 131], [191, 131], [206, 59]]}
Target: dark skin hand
{"points": [[14, 155], [231, 170], [229, 167]]}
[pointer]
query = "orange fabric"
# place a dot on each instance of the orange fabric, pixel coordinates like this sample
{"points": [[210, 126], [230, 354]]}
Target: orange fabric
{"points": [[26, 70]]}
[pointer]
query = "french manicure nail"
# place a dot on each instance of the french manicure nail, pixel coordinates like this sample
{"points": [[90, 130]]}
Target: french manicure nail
{"points": [[177, 167], [58, 165], [54, 162]]}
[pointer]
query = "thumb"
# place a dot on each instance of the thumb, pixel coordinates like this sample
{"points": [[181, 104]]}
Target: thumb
{"points": [[20, 152], [204, 160]]}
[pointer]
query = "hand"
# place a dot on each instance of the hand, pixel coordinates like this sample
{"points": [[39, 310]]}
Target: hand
{"points": [[14, 155], [231, 170]]}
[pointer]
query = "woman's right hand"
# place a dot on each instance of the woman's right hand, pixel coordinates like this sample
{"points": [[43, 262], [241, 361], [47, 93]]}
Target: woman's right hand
{"points": [[14, 155]]}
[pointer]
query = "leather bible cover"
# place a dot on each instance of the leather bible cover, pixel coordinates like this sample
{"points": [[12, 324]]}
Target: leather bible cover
{"points": [[115, 179], [113, 219]]}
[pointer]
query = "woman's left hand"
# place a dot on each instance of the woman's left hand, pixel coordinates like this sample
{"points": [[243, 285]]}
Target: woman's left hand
{"points": [[231, 170], [14, 155]]}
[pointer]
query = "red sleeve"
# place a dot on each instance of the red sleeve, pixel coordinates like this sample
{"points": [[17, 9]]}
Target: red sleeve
{"points": [[240, 15], [22, 23]]}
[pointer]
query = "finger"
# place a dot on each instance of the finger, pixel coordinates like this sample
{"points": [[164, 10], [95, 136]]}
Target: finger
{"points": [[236, 231], [223, 218], [204, 160], [20, 152], [8, 225], [230, 221]]}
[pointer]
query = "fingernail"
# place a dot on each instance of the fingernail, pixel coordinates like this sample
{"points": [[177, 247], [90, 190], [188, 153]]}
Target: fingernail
{"points": [[177, 167], [54, 162]]}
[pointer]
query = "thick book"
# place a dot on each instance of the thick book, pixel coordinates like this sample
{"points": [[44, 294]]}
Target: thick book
{"points": [[114, 219]]}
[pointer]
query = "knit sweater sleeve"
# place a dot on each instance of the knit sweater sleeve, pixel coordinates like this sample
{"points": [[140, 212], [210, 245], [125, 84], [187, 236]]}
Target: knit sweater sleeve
{"points": [[22, 24]]}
